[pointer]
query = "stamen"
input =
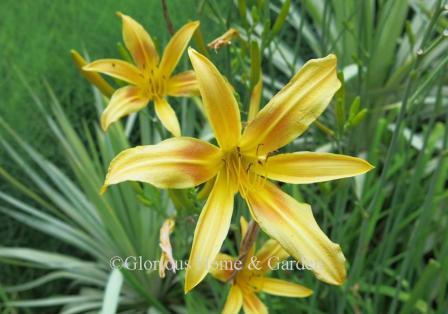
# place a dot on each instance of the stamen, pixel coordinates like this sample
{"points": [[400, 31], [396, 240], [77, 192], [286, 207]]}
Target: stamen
{"points": [[258, 147]]}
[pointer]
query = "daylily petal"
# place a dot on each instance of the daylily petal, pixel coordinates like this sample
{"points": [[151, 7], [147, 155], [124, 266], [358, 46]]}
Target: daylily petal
{"points": [[211, 231], [177, 163], [308, 167], [167, 116], [280, 287], [292, 224], [176, 46], [234, 301], [292, 109], [270, 255], [252, 304], [139, 43], [219, 103], [124, 101], [116, 68], [183, 84], [222, 268]]}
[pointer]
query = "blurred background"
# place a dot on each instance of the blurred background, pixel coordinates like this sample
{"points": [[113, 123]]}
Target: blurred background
{"points": [[392, 110]]}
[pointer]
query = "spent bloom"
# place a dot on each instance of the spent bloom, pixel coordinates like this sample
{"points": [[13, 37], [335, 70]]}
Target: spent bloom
{"points": [[165, 244], [223, 40], [251, 276], [245, 162], [150, 79]]}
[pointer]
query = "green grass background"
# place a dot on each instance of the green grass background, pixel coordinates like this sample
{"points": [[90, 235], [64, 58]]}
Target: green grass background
{"points": [[37, 36]]}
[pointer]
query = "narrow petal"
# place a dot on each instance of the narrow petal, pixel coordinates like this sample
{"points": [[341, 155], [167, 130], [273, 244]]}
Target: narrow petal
{"points": [[211, 230], [176, 47], [222, 267], [177, 163], [294, 108], [116, 68], [252, 304], [270, 255], [280, 287], [309, 167], [234, 301], [183, 84], [219, 103], [167, 116], [139, 43], [124, 101], [292, 224]]}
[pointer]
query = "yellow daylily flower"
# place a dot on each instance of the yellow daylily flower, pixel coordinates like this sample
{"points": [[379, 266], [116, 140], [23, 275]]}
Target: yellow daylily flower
{"points": [[149, 79], [251, 276], [244, 163]]}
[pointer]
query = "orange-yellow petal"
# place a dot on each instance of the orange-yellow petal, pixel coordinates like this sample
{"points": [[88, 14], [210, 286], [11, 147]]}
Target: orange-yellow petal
{"points": [[139, 43], [220, 105], [234, 301], [124, 101], [252, 304], [292, 224], [269, 256], [177, 163], [309, 167], [294, 108], [167, 116], [116, 68], [223, 266], [183, 84], [279, 287], [176, 47], [211, 231]]}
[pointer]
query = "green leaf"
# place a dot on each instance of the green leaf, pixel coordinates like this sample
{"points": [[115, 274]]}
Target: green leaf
{"points": [[112, 292]]}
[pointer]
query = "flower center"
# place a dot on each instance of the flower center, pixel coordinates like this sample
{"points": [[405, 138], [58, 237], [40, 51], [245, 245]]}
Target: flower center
{"points": [[154, 83], [240, 170]]}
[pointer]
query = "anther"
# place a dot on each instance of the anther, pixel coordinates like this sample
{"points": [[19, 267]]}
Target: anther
{"points": [[267, 156], [258, 147]]}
